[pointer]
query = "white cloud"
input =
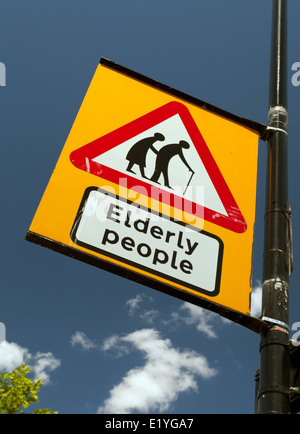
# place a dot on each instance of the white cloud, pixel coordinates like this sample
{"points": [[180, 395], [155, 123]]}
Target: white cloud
{"points": [[256, 300], [150, 316], [110, 342], [189, 314], [115, 343], [134, 304], [192, 315], [12, 355], [166, 373], [42, 363], [201, 318], [80, 338]]}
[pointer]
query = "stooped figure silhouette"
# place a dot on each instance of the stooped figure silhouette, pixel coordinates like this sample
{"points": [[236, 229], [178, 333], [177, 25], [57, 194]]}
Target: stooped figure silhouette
{"points": [[138, 153], [164, 156]]}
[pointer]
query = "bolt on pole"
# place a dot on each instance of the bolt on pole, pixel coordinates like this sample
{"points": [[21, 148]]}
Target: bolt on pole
{"points": [[274, 382]]}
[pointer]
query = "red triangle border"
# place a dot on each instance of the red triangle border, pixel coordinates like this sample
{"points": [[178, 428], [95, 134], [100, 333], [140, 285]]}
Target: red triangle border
{"points": [[82, 158]]}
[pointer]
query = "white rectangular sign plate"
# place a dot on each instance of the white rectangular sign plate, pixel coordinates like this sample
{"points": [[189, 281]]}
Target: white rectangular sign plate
{"points": [[148, 241]]}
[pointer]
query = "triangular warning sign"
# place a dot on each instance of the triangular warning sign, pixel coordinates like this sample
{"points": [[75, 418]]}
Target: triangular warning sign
{"points": [[164, 150]]}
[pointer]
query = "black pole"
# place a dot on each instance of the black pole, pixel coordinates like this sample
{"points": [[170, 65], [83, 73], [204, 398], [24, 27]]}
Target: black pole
{"points": [[274, 381]]}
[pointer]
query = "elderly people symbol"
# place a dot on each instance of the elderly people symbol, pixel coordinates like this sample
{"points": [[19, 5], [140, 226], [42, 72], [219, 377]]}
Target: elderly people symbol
{"points": [[138, 153]]}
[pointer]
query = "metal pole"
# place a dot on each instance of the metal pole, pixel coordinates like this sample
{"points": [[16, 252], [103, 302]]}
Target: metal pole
{"points": [[274, 381]]}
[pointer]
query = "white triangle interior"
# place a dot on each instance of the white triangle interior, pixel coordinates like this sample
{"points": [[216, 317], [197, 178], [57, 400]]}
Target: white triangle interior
{"points": [[201, 189]]}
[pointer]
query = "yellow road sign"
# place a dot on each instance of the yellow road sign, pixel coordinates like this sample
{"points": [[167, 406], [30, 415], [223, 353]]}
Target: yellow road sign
{"points": [[159, 187]]}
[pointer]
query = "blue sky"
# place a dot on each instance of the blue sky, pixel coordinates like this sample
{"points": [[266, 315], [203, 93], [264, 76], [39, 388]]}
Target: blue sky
{"points": [[92, 336]]}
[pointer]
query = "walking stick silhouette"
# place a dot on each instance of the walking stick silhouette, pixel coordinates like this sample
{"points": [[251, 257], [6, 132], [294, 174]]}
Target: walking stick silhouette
{"points": [[193, 173]]}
